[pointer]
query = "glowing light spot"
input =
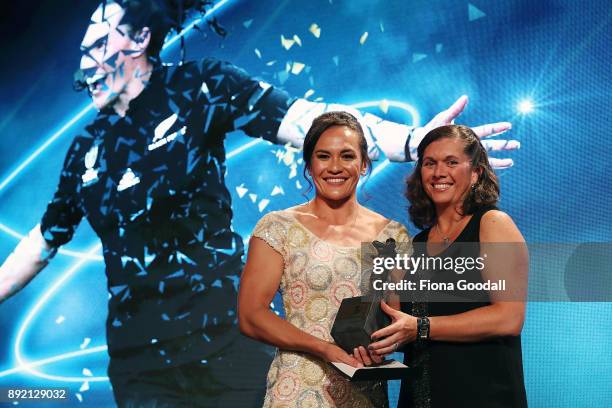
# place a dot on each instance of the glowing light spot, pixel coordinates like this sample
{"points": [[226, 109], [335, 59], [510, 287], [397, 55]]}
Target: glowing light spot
{"points": [[525, 106]]}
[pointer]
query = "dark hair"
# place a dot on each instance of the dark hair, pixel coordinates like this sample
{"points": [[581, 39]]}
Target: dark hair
{"points": [[161, 17], [323, 122], [484, 192]]}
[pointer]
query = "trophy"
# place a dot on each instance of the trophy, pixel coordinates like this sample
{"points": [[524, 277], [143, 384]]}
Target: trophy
{"points": [[359, 317]]}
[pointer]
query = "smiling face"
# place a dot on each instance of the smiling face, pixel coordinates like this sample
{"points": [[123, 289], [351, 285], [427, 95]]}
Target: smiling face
{"points": [[337, 163], [108, 54], [446, 172]]}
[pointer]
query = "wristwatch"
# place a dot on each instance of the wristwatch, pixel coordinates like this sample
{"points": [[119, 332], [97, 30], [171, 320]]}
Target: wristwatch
{"points": [[422, 328]]}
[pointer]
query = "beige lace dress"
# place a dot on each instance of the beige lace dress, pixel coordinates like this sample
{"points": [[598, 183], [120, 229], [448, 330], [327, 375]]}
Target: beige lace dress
{"points": [[317, 276]]}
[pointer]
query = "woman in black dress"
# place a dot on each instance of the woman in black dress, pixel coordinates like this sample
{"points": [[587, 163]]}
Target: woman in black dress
{"points": [[465, 349]]}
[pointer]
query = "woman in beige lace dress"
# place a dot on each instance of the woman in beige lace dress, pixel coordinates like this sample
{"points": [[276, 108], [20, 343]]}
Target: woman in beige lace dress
{"points": [[312, 253]]}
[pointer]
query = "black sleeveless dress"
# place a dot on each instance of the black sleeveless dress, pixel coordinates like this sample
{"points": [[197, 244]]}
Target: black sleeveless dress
{"points": [[450, 374]]}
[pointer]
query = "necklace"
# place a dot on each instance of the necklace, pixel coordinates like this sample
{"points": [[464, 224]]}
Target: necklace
{"points": [[446, 239]]}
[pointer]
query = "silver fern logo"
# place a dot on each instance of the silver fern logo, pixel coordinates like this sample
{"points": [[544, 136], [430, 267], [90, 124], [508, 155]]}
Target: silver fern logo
{"points": [[90, 174], [160, 137]]}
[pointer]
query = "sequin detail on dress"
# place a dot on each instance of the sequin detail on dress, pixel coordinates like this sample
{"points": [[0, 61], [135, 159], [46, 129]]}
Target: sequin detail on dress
{"points": [[317, 276]]}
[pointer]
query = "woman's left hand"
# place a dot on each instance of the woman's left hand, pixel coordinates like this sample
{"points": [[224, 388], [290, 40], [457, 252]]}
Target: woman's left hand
{"points": [[403, 329]]}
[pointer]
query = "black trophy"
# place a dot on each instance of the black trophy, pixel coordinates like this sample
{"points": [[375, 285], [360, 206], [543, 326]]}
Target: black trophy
{"points": [[358, 317]]}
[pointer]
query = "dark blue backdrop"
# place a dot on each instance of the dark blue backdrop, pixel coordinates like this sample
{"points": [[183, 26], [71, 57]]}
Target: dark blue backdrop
{"points": [[418, 57]]}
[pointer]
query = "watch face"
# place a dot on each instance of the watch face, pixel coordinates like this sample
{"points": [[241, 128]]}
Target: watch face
{"points": [[423, 328]]}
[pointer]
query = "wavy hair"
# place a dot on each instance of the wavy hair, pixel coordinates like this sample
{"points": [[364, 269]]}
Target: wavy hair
{"points": [[485, 192]]}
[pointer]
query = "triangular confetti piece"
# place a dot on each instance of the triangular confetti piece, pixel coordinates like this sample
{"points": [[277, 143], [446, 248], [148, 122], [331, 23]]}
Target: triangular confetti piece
{"points": [[384, 105], [315, 30], [474, 13], [241, 190], [263, 204], [286, 42], [297, 40], [253, 197], [247, 23], [277, 190], [297, 68]]}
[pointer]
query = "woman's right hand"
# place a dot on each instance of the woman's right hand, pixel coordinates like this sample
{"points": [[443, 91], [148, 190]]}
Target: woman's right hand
{"points": [[334, 354]]}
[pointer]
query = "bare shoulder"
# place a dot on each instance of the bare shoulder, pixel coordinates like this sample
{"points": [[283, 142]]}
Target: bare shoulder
{"points": [[497, 226], [301, 211], [376, 220]]}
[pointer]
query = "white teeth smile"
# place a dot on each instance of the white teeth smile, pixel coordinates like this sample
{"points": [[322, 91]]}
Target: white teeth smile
{"points": [[95, 78], [335, 180], [441, 186]]}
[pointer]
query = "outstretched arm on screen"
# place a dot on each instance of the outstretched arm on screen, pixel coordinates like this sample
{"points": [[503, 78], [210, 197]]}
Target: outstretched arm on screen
{"points": [[396, 141], [30, 256]]}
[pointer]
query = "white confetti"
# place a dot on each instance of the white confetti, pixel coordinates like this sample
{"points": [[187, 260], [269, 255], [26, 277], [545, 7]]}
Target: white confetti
{"points": [[258, 53], [288, 158], [286, 42], [297, 68], [293, 172], [277, 190], [204, 88], [382, 27], [87, 372], [79, 397], [384, 105], [84, 387], [298, 185], [297, 40], [241, 190], [253, 197], [336, 60], [263, 204], [85, 343], [270, 63], [247, 23], [315, 30], [309, 93], [60, 319], [363, 38]]}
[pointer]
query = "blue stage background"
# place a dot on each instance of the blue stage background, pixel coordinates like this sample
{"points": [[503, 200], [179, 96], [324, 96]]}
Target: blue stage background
{"points": [[415, 60]]}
